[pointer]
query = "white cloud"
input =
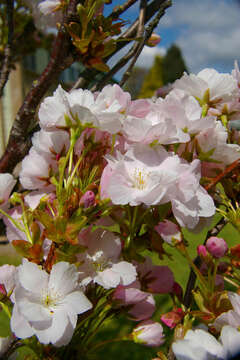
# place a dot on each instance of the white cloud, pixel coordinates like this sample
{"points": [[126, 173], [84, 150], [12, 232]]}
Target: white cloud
{"points": [[208, 32], [148, 54]]}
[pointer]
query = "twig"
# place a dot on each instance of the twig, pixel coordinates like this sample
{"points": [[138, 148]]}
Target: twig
{"points": [[8, 48], [123, 40], [121, 9], [61, 58], [227, 171], [132, 52], [197, 261], [138, 45], [148, 34]]}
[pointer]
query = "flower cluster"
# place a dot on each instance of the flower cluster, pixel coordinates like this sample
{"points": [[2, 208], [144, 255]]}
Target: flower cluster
{"points": [[108, 181]]}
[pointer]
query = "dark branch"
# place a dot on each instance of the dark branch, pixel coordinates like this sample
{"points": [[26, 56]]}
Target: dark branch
{"points": [[61, 58], [89, 74], [121, 9], [6, 66], [136, 49]]}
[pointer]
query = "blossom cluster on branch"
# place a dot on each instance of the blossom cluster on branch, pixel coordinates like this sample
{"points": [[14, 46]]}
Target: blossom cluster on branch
{"points": [[108, 182]]}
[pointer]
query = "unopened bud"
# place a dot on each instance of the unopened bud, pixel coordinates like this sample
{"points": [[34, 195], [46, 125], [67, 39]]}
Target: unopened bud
{"points": [[217, 247], [88, 199], [153, 40], [149, 333]]}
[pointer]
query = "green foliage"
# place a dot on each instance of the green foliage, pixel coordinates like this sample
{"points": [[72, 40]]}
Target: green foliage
{"points": [[153, 80], [4, 324], [134, 83], [173, 65], [165, 70]]}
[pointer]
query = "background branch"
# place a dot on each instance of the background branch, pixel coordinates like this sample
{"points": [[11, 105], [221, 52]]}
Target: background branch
{"points": [[88, 75], [61, 58], [6, 66]]}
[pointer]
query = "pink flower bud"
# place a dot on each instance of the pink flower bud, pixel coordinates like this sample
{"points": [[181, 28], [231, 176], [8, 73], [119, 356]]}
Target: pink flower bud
{"points": [[154, 40], [88, 199], [202, 251], [217, 247], [149, 333], [172, 318]]}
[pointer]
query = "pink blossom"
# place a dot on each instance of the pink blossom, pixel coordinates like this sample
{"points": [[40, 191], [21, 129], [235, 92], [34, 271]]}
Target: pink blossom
{"points": [[222, 87], [142, 175], [101, 260], [155, 278], [36, 171], [142, 310], [111, 105], [169, 231], [172, 318], [47, 305], [88, 199], [129, 295], [149, 333], [213, 142], [231, 317], [190, 201], [202, 251], [7, 277], [216, 246], [7, 183], [76, 105]]}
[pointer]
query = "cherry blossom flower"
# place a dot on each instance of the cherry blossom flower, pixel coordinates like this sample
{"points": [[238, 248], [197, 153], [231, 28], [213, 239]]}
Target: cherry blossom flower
{"points": [[221, 87], [46, 13], [111, 104], [190, 201], [186, 112], [231, 317], [213, 141], [7, 183], [155, 278], [149, 333], [48, 303], [142, 175], [169, 231], [76, 105], [101, 261], [142, 310], [36, 171], [52, 143], [7, 277], [200, 345]]}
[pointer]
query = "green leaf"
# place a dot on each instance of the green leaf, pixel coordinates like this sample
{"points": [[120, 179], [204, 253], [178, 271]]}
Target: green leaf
{"points": [[5, 329]]}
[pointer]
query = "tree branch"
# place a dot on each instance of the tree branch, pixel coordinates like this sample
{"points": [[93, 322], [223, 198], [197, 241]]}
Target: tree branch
{"points": [[138, 45], [5, 71], [121, 9], [88, 74], [61, 58], [136, 49]]}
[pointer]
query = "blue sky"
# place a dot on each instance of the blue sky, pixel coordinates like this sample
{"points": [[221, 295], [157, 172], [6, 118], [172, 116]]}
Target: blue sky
{"points": [[207, 31]]}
